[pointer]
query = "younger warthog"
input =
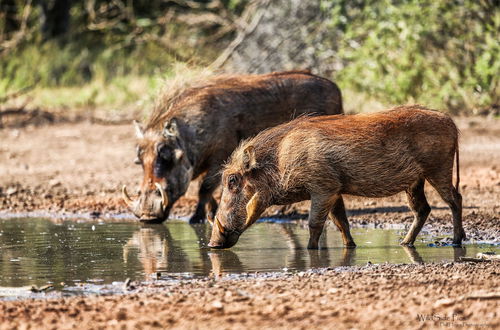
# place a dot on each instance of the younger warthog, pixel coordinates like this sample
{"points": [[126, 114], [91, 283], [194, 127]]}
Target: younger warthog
{"points": [[322, 158]]}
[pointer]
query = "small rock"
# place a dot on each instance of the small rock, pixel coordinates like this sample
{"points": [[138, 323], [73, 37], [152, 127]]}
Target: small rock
{"points": [[11, 191], [128, 285], [54, 183], [44, 288], [444, 302], [95, 214], [217, 305]]}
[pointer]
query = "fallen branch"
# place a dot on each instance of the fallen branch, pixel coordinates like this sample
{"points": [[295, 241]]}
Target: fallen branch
{"points": [[30, 114], [472, 259], [482, 257], [16, 94], [486, 296], [385, 274], [446, 302]]}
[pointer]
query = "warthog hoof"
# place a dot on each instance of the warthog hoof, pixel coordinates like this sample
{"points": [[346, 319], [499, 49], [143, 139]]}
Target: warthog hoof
{"points": [[408, 244], [350, 245]]}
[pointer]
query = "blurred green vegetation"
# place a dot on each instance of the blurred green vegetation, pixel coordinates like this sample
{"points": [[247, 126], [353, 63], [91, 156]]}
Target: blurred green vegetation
{"points": [[115, 54], [444, 54]]}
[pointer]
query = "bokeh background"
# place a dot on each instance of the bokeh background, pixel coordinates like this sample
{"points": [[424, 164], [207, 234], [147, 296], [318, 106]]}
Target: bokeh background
{"points": [[109, 59]]}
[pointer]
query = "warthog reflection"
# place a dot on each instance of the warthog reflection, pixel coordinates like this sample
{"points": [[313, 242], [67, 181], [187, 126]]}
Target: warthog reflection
{"points": [[159, 251], [156, 250], [416, 258], [220, 261]]}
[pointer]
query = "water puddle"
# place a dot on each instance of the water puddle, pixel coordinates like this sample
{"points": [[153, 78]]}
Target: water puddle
{"points": [[72, 257]]}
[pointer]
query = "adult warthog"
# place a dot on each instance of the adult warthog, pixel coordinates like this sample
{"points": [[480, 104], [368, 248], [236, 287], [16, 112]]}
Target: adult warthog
{"points": [[197, 128], [322, 158]]}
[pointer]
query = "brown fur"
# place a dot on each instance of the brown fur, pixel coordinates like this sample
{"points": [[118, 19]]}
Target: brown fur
{"points": [[204, 123], [323, 158]]}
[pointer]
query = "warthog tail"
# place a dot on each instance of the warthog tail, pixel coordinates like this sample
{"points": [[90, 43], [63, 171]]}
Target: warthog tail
{"points": [[457, 183]]}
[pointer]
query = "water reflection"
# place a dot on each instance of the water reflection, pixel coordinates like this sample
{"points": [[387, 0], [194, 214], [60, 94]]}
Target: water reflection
{"points": [[221, 260], [40, 252], [413, 254], [159, 251], [459, 252], [178, 248]]}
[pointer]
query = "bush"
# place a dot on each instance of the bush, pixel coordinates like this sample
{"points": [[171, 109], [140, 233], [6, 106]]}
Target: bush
{"points": [[444, 54]]}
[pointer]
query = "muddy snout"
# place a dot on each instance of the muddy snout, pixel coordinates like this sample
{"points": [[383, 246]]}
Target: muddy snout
{"points": [[151, 206], [225, 241]]}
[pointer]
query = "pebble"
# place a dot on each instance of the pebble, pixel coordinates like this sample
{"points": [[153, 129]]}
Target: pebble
{"points": [[11, 191], [217, 304]]}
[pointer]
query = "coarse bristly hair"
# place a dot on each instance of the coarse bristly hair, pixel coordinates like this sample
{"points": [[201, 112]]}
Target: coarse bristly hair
{"points": [[171, 91], [269, 148], [186, 86]]}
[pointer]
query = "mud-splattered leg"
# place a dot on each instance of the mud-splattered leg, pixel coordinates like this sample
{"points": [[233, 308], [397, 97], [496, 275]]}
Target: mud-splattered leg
{"points": [[320, 207], [421, 209], [339, 218], [453, 198], [208, 186]]}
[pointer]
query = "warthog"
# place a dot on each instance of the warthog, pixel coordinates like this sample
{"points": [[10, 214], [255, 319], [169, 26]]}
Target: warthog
{"points": [[322, 158], [196, 130]]}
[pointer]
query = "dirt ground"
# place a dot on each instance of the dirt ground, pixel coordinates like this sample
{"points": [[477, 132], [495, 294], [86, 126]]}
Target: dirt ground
{"points": [[80, 167], [450, 295]]}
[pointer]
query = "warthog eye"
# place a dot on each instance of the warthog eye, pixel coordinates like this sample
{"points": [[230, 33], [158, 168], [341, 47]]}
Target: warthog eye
{"points": [[164, 160], [137, 159], [165, 153], [232, 181]]}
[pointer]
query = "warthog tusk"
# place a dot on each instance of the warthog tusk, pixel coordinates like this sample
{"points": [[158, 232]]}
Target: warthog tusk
{"points": [[219, 225], [253, 210], [164, 198], [126, 197], [209, 218]]}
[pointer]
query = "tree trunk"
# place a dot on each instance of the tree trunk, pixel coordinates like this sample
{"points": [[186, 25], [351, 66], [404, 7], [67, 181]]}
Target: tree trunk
{"points": [[55, 18]]}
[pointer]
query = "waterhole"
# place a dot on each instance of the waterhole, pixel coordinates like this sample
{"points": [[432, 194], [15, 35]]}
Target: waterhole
{"points": [[96, 257]]}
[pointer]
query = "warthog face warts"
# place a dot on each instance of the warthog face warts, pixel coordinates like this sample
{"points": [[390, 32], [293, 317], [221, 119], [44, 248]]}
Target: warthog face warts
{"points": [[167, 173], [241, 204]]}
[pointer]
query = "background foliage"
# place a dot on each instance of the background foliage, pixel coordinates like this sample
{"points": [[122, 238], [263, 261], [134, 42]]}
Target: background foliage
{"points": [[439, 53], [445, 54]]}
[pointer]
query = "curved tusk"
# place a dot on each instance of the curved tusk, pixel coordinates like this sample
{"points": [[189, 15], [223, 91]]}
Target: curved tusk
{"points": [[219, 225], [126, 197], [210, 219], [164, 198]]}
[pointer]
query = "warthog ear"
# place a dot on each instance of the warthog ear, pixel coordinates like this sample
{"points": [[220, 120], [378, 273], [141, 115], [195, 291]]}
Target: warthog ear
{"points": [[249, 161], [254, 209], [139, 132], [171, 128]]}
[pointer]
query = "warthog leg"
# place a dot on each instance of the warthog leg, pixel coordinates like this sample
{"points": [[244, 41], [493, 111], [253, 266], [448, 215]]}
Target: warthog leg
{"points": [[207, 187], [339, 218], [453, 198], [421, 209], [320, 206]]}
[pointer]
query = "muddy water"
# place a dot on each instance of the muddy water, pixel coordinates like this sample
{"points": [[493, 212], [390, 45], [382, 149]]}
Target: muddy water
{"points": [[82, 257]]}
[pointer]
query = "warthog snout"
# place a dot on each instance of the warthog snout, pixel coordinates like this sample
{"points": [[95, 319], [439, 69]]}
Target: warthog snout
{"points": [[151, 206], [221, 237]]}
